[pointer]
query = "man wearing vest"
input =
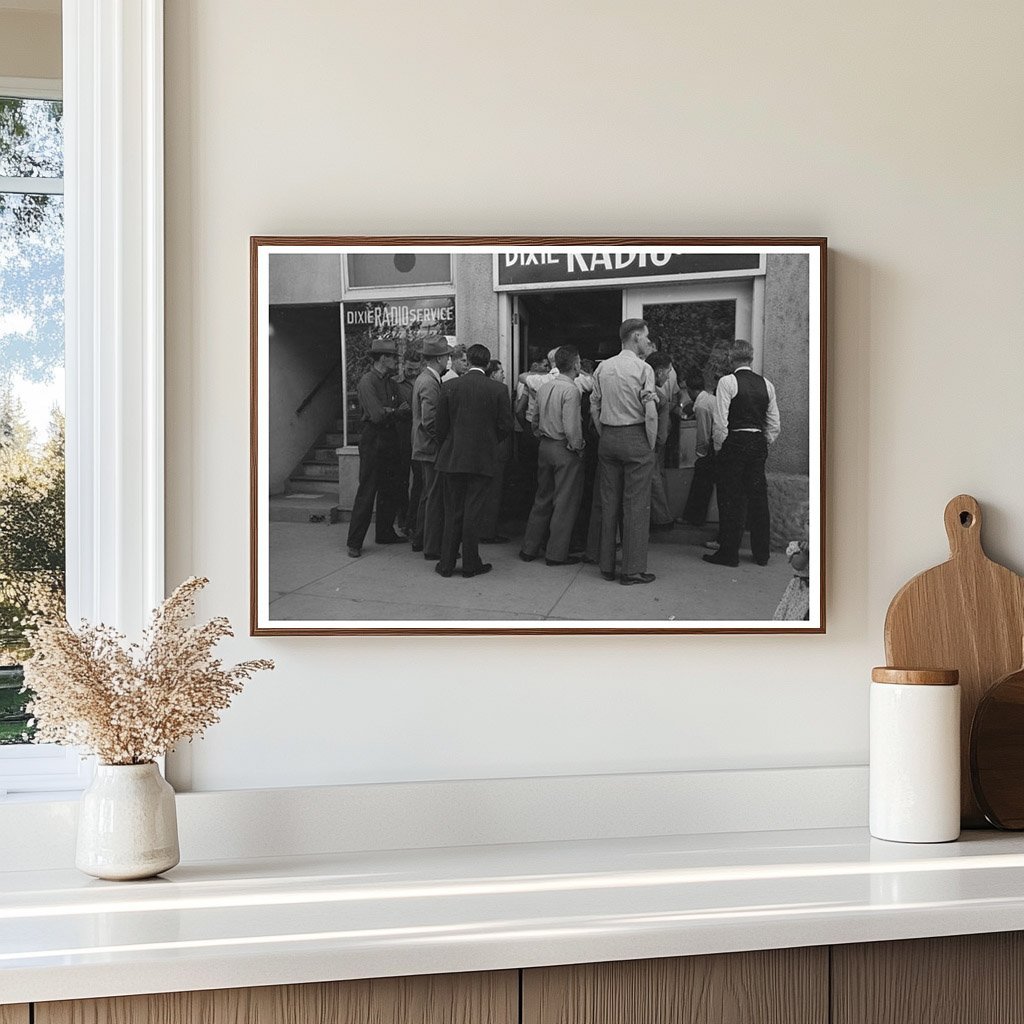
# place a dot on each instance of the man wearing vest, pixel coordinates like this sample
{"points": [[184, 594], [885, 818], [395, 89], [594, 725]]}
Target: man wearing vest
{"points": [[746, 424]]}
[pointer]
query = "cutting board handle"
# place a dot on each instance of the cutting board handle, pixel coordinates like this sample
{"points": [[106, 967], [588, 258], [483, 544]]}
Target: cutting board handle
{"points": [[963, 527]]}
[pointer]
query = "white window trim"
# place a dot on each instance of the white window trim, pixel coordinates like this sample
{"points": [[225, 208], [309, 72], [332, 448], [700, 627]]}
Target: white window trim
{"points": [[114, 324], [32, 88]]}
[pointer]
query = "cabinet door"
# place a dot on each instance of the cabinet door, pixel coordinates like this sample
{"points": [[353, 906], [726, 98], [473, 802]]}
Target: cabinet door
{"points": [[779, 986], [962, 979], [483, 998], [14, 1014]]}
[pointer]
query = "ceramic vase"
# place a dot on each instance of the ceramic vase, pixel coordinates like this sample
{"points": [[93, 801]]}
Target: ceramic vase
{"points": [[127, 825]]}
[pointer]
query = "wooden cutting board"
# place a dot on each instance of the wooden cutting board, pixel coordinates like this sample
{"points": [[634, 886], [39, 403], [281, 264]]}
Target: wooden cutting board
{"points": [[997, 752], [967, 614]]}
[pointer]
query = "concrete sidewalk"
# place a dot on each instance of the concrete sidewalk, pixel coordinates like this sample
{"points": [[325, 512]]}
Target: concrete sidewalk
{"points": [[312, 578]]}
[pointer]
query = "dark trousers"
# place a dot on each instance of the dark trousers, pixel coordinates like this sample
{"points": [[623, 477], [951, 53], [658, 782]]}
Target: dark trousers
{"points": [[492, 507], [626, 463], [407, 514], [430, 513], [743, 494], [661, 514], [379, 482], [464, 497], [581, 531], [522, 476], [559, 487], [701, 488]]}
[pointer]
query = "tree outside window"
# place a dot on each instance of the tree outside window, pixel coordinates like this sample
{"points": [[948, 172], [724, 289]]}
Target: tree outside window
{"points": [[31, 386]]}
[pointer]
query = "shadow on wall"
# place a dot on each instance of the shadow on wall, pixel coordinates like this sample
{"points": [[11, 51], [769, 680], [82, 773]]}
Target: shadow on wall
{"points": [[305, 396]]}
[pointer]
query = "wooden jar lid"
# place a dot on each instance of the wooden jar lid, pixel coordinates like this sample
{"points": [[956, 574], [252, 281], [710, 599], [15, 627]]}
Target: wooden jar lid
{"points": [[916, 676]]}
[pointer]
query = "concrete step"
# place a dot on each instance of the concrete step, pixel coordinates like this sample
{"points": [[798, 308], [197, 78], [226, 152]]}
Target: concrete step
{"points": [[327, 456], [334, 439], [308, 507], [320, 470], [311, 484]]}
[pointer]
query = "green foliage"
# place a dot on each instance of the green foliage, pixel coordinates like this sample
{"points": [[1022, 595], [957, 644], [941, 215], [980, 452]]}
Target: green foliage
{"points": [[31, 526], [31, 138], [689, 331], [14, 727]]}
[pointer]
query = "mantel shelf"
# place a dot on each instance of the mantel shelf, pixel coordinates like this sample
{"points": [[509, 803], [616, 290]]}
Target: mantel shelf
{"points": [[224, 924]]}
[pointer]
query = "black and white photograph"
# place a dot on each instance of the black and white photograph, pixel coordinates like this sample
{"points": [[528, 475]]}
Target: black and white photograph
{"points": [[537, 435]]}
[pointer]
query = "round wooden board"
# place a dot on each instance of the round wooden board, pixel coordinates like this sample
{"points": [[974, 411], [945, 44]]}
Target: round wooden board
{"points": [[967, 613]]}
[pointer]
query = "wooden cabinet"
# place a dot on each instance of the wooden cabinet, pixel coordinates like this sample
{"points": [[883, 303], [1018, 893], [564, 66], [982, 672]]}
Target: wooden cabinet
{"points": [[778, 986], [963, 979], [491, 998], [972, 979]]}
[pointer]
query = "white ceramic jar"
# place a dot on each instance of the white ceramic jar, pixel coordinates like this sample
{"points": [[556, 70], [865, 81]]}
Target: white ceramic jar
{"points": [[127, 823], [915, 755]]}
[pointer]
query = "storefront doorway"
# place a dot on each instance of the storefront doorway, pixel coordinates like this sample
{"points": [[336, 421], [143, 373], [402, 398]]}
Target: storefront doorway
{"points": [[588, 318], [689, 320]]}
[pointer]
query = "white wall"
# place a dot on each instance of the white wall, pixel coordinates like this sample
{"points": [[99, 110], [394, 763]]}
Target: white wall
{"points": [[894, 129]]}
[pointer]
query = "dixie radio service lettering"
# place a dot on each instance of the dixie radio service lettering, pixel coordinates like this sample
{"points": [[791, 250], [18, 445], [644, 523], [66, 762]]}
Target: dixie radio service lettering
{"points": [[398, 315]]}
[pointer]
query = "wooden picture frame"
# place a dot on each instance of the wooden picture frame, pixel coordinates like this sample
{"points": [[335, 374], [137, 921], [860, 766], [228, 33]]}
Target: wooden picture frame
{"points": [[319, 304]]}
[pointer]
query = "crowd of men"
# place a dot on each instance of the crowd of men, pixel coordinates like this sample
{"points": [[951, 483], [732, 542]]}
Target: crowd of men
{"points": [[437, 436]]}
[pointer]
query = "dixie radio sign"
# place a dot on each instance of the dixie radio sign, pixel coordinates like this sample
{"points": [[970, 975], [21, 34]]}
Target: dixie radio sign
{"points": [[514, 270]]}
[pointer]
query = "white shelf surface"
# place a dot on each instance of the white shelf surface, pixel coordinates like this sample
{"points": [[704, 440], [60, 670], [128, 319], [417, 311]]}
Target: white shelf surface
{"points": [[226, 924]]}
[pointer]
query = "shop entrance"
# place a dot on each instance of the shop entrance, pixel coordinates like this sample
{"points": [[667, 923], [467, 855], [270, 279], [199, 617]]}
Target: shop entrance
{"points": [[588, 318]]}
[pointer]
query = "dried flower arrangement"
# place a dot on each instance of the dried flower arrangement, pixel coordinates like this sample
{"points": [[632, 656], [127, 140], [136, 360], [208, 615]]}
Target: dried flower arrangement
{"points": [[129, 704]]}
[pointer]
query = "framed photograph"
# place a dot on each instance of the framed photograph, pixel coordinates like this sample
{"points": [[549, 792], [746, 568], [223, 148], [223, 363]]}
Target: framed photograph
{"points": [[537, 435]]}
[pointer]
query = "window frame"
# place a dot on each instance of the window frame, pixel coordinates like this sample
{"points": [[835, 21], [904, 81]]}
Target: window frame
{"points": [[112, 89], [38, 767]]}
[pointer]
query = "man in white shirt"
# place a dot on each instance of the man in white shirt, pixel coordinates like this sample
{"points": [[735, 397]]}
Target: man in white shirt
{"points": [[695, 512], [746, 424], [559, 426], [623, 406], [526, 400]]}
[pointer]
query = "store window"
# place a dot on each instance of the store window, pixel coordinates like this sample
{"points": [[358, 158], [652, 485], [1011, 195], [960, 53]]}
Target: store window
{"points": [[32, 562], [398, 269], [406, 322]]}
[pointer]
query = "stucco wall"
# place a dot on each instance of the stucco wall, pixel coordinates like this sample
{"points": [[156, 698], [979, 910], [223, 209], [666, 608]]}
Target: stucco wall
{"points": [[476, 303], [304, 277], [894, 129], [785, 364]]}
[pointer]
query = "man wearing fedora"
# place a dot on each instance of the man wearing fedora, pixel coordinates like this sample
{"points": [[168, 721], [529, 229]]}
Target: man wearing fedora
{"points": [[473, 417], [426, 393], [384, 415]]}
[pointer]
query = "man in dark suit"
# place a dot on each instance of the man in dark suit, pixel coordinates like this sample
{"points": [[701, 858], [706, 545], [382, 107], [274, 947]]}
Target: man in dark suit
{"points": [[426, 394], [473, 417]]}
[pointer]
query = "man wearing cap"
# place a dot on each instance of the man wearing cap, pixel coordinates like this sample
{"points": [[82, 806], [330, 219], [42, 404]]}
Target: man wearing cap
{"points": [[426, 393], [384, 414], [473, 417]]}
